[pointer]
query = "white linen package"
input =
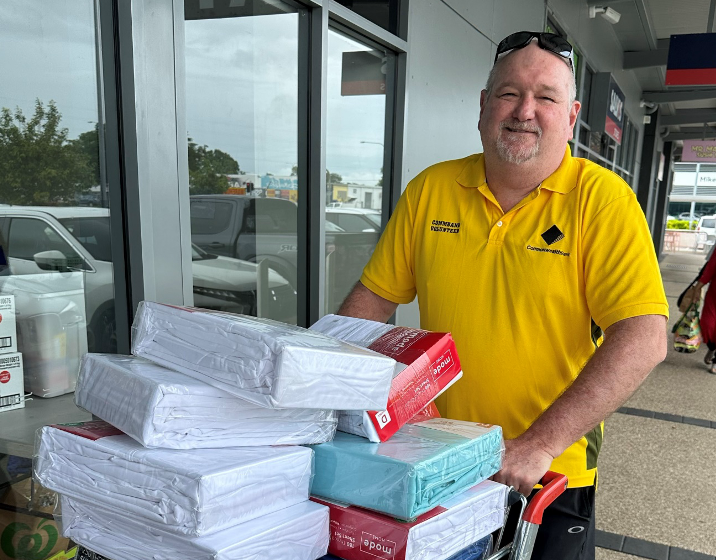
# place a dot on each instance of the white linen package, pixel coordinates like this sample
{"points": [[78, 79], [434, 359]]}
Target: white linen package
{"points": [[159, 407], [187, 491], [271, 364], [427, 365], [299, 532]]}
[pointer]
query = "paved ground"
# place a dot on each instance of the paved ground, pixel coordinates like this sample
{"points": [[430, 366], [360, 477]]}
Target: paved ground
{"points": [[657, 493]]}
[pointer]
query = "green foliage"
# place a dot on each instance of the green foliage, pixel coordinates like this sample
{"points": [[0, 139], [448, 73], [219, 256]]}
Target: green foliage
{"points": [[208, 169], [38, 165], [88, 144], [680, 224]]}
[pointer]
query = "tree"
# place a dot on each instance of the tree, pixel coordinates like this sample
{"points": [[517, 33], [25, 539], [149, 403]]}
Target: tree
{"points": [[38, 165], [88, 144], [208, 169]]}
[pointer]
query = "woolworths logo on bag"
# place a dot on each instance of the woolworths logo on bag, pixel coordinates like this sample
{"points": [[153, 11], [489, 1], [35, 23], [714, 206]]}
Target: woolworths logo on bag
{"points": [[377, 546], [19, 541]]}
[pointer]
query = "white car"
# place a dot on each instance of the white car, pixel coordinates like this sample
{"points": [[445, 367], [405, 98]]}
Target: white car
{"points": [[707, 225], [354, 220], [38, 240]]}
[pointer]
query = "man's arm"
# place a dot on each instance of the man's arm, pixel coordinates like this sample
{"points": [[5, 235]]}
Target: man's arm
{"points": [[365, 304], [632, 348]]}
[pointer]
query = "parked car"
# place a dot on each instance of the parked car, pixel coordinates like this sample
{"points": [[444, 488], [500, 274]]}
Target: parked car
{"points": [[42, 239], [354, 219], [707, 225], [257, 229]]}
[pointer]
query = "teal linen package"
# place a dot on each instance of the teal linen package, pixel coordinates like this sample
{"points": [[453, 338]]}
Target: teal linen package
{"points": [[421, 466]]}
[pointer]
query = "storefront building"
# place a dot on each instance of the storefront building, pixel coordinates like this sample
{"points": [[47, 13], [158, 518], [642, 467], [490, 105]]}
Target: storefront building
{"points": [[240, 155]]}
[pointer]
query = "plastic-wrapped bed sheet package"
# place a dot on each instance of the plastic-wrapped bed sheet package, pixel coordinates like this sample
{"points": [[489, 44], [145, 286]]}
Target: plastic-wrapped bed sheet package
{"points": [[419, 468], [159, 407], [263, 361], [298, 532], [185, 491], [359, 534], [427, 365]]}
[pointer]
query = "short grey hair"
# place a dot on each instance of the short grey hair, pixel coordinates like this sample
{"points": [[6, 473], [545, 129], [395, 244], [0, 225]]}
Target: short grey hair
{"points": [[492, 77]]}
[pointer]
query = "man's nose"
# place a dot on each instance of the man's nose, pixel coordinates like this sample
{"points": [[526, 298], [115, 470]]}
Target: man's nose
{"points": [[525, 109]]}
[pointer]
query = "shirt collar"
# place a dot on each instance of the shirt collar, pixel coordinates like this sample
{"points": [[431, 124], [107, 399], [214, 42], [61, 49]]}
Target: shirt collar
{"points": [[563, 180]]}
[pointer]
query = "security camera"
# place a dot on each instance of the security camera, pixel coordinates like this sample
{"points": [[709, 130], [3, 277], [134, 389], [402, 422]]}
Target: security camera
{"points": [[611, 15], [608, 13]]}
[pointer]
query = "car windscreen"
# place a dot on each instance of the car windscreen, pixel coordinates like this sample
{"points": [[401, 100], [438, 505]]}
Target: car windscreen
{"points": [[93, 233]]}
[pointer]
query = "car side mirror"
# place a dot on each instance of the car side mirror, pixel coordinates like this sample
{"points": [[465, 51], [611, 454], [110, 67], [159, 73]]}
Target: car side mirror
{"points": [[51, 260]]}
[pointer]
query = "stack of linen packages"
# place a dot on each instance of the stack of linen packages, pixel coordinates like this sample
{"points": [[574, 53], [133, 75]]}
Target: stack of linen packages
{"points": [[201, 449], [405, 488]]}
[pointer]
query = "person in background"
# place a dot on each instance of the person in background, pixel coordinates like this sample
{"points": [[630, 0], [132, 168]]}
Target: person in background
{"points": [[707, 319], [521, 252]]}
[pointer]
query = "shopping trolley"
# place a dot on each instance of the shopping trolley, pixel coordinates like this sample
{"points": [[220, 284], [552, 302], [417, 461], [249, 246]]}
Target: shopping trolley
{"points": [[530, 518], [528, 521]]}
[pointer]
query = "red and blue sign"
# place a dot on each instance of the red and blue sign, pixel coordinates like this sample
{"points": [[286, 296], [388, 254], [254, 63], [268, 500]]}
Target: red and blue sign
{"points": [[692, 60]]}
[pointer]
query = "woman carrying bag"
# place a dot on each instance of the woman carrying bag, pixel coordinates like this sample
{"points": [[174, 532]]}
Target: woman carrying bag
{"points": [[708, 311]]}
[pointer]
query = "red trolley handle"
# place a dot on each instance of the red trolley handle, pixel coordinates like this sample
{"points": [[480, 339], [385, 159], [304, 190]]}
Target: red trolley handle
{"points": [[553, 485]]}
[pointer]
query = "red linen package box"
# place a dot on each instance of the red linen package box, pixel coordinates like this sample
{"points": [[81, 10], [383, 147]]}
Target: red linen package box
{"points": [[427, 365], [359, 534]]}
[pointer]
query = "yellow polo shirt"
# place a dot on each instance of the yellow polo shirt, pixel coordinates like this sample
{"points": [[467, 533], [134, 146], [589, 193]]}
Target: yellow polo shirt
{"points": [[518, 290]]}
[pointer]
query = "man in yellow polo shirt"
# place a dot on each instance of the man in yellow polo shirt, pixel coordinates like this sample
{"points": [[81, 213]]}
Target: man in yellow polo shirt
{"points": [[520, 252]]}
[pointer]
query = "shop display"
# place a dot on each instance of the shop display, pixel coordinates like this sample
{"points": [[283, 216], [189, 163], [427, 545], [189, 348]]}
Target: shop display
{"points": [[266, 362], [419, 468], [159, 407], [359, 534], [193, 492], [298, 532], [427, 365], [12, 383], [51, 328], [8, 325]]}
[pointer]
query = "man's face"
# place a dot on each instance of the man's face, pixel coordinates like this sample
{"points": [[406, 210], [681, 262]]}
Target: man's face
{"points": [[527, 118]]}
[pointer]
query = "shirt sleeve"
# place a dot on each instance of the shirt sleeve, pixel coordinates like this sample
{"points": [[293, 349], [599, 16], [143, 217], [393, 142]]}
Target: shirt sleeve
{"points": [[621, 272], [390, 272]]}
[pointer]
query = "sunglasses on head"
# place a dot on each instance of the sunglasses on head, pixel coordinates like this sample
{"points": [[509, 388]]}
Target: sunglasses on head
{"points": [[551, 42]]}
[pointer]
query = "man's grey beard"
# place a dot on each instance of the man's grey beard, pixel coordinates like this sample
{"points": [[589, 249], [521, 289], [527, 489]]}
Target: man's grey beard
{"points": [[517, 155]]}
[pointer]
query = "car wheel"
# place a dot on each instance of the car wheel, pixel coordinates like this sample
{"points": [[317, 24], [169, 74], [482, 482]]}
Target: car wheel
{"points": [[103, 332]]}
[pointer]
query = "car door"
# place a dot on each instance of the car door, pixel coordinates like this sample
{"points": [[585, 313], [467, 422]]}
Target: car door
{"points": [[213, 224]]}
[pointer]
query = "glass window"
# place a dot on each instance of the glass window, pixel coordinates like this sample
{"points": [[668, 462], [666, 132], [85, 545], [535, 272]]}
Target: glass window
{"points": [[381, 12], [242, 120], [355, 121], [208, 217], [586, 93], [31, 237], [59, 272]]}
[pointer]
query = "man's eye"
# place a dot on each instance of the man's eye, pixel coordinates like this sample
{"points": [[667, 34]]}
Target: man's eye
{"points": [[545, 98], [508, 94]]}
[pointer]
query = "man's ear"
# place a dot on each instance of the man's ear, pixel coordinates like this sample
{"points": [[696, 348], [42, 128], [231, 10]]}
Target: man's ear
{"points": [[573, 112]]}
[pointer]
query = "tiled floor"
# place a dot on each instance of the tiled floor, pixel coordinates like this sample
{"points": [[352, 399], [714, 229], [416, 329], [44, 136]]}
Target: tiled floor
{"points": [[658, 477]]}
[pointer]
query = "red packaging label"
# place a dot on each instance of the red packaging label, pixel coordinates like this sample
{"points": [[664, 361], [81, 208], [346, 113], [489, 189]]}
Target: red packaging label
{"points": [[4, 376], [360, 534], [431, 364], [93, 430]]}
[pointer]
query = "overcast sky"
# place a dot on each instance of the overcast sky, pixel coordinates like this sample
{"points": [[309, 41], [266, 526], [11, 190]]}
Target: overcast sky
{"points": [[242, 84]]}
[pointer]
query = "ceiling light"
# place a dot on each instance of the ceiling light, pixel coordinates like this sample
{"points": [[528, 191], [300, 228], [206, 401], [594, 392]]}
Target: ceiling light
{"points": [[608, 13]]}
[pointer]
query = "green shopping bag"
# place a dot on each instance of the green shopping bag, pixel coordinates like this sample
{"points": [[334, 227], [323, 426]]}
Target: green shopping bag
{"points": [[687, 331]]}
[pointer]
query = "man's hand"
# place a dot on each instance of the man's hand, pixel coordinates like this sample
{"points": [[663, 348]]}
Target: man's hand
{"points": [[524, 465]]}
